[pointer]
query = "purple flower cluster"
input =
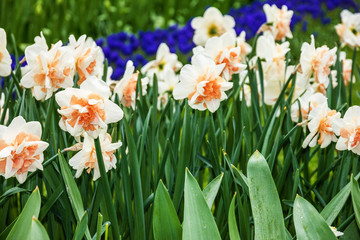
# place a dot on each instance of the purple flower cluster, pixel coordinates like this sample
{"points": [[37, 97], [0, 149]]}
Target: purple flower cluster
{"points": [[122, 46]]}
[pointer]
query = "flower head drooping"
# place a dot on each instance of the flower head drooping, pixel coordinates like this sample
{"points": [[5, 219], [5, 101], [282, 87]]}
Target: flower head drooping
{"points": [[202, 84], [49, 69], [86, 158], [348, 128], [349, 29], [126, 87], [164, 60], [223, 50], [87, 109], [89, 58], [212, 24], [21, 149], [245, 48], [317, 61], [5, 59], [278, 21], [321, 123]]}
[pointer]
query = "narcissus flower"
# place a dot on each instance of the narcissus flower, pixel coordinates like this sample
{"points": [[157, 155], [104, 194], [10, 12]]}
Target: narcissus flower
{"points": [[21, 149], [5, 59], [308, 101], [89, 58], [317, 61], [223, 50], [86, 158], [245, 48], [202, 84], [321, 126], [346, 67], [126, 87], [349, 29], [212, 24], [49, 69], [348, 128], [87, 109], [164, 60], [278, 21]]}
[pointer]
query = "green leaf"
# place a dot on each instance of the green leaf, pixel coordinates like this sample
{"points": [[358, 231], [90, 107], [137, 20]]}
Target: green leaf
{"points": [[351, 232], [22, 226], [355, 196], [11, 192], [72, 191], [198, 221], [37, 231], [233, 229], [264, 199], [309, 224], [212, 189], [166, 224], [81, 227]]}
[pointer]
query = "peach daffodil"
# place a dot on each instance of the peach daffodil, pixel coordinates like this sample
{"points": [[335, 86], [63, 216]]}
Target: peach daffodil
{"points": [[86, 158], [87, 109], [21, 149], [278, 21], [5, 59], [49, 69], [201, 83]]}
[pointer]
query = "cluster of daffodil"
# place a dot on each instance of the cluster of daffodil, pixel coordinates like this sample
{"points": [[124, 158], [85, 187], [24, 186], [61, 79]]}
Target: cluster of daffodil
{"points": [[87, 106]]}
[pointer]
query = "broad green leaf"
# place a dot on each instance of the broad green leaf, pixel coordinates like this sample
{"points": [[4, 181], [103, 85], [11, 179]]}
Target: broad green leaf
{"points": [[212, 189], [166, 224], [81, 227], [37, 231], [199, 223], [22, 226], [233, 229], [355, 196], [309, 224], [264, 199], [72, 191], [351, 232]]}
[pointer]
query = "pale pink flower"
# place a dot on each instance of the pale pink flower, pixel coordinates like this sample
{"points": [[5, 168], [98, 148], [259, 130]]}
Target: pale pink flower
{"points": [[223, 50], [212, 24], [5, 59], [202, 84], [87, 109], [278, 21], [349, 29], [164, 60], [49, 69], [348, 128], [86, 158], [89, 58], [126, 87], [317, 62], [321, 126], [21, 149]]}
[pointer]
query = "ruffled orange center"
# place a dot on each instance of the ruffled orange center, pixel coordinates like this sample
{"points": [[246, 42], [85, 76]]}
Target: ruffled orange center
{"points": [[129, 89], [344, 133], [325, 127], [22, 160], [282, 26], [89, 69], [1, 56], [231, 61], [319, 67], [211, 89], [85, 119]]}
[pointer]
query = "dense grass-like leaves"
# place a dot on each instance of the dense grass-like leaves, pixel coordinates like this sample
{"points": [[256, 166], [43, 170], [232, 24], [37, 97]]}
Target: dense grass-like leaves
{"points": [[355, 196], [233, 229]]}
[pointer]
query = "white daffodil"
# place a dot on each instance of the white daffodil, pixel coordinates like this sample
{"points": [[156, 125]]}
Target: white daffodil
{"points": [[308, 101], [202, 84], [86, 158], [87, 109], [164, 60], [21, 149], [349, 29], [126, 87], [346, 67], [278, 21], [212, 24], [166, 87], [5, 59], [49, 69], [348, 128], [321, 126], [89, 58], [223, 51], [245, 48], [317, 62]]}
